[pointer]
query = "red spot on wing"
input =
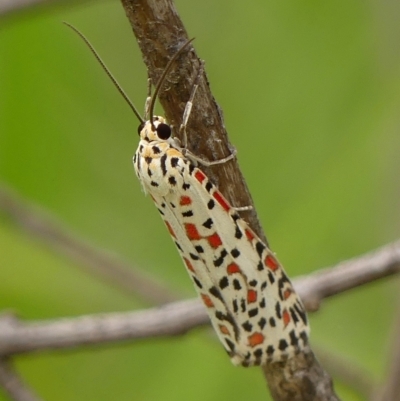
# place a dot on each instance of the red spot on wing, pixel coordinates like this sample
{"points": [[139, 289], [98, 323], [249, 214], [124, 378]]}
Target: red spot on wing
{"points": [[251, 296], [288, 292], [223, 329], [271, 262], [255, 339], [185, 200], [221, 200], [249, 234], [191, 232], [171, 231], [214, 240], [189, 265], [286, 317], [207, 301], [233, 268], [200, 176]]}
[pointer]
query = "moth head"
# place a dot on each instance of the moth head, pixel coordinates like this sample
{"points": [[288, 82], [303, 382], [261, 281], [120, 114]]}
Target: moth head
{"points": [[158, 130]]}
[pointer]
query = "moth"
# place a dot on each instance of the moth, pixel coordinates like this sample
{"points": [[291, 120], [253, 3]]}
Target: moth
{"points": [[252, 305]]}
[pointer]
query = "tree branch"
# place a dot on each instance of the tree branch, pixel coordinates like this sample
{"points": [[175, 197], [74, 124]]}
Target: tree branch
{"points": [[176, 318], [108, 267], [13, 385], [160, 33], [391, 389], [347, 372], [348, 274], [11, 6]]}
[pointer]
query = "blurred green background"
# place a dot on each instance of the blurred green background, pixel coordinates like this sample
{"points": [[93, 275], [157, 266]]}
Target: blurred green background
{"points": [[311, 97]]}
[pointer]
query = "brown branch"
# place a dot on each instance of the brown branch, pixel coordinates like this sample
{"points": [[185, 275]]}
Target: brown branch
{"points": [[11, 6], [349, 373], [98, 262], [348, 274], [173, 319], [13, 385], [160, 33], [391, 389]]}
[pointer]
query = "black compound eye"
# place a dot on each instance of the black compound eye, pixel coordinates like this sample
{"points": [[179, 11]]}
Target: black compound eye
{"points": [[163, 131], [141, 126]]}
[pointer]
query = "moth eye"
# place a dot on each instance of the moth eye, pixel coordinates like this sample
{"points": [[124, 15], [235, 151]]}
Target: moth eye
{"points": [[141, 126], [163, 131]]}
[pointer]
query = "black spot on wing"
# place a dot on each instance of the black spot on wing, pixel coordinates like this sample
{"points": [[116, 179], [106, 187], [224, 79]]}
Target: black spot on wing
{"points": [[174, 161], [247, 326], [238, 232], [216, 293], [253, 312], [283, 344], [220, 260], [301, 313], [163, 160], [208, 223], [156, 150], [260, 248], [197, 282], [236, 284], [224, 282], [293, 338], [235, 252], [261, 323], [235, 305], [211, 204]]}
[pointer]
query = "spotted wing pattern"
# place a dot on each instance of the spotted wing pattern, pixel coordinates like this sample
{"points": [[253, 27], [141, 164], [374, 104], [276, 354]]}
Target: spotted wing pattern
{"points": [[252, 305]]}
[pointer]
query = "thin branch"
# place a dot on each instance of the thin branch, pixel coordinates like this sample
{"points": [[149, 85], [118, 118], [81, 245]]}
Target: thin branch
{"points": [[348, 274], [94, 260], [173, 319], [349, 373], [391, 389], [11, 6], [13, 384]]}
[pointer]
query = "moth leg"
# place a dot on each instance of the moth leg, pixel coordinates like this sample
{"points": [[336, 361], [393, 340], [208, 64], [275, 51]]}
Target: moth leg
{"points": [[208, 163], [185, 119], [242, 208], [189, 104], [148, 98]]}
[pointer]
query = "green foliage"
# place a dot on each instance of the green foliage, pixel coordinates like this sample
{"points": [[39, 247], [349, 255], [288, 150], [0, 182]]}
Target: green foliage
{"points": [[310, 93]]}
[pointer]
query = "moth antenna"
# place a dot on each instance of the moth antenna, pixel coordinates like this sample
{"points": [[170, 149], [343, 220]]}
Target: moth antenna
{"points": [[107, 71], [162, 78]]}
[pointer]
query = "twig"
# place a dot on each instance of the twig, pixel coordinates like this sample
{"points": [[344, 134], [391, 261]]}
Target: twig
{"points": [[350, 374], [391, 389], [109, 267], [10, 6], [173, 319], [13, 385], [348, 274]]}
